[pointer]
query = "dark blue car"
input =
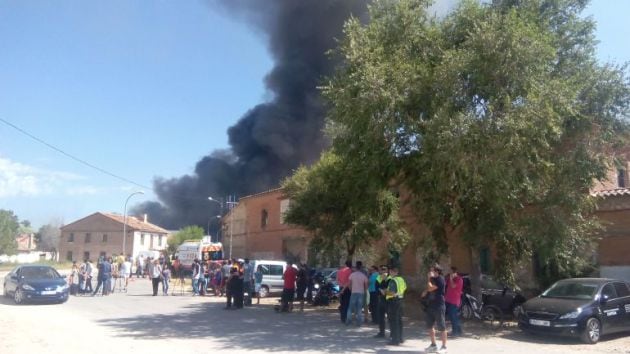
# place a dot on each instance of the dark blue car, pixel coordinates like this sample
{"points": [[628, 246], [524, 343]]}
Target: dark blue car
{"points": [[585, 307], [35, 283]]}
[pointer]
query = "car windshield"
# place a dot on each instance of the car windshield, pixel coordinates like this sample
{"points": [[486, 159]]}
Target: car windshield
{"points": [[39, 273], [572, 290]]}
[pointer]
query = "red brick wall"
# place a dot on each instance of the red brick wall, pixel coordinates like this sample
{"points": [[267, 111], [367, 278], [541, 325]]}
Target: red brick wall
{"points": [[275, 238]]}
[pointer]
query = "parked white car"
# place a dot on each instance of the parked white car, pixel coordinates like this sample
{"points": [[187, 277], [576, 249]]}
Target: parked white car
{"points": [[272, 276]]}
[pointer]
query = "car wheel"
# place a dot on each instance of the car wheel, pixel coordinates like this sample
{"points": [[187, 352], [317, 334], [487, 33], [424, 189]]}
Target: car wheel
{"points": [[466, 312], [592, 331], [492, 315], [264, 291], [18, 296]]}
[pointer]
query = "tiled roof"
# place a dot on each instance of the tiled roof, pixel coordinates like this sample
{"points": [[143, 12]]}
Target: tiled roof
{"points": [[261, 193], [617, 192], [135, 223]]}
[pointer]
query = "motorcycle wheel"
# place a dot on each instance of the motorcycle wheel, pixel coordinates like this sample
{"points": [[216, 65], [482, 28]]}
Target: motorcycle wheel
{"points": [[466, 312]]}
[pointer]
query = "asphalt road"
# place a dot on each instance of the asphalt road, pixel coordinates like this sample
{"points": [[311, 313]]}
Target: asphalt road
{"points": [[140, 323]]}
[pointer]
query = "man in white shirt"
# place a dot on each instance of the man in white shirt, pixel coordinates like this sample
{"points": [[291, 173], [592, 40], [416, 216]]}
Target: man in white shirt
{"points": [[125, 272]]}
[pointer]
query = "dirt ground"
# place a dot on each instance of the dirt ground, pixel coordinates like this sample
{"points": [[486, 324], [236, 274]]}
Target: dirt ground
{"points": [[138, 322]]}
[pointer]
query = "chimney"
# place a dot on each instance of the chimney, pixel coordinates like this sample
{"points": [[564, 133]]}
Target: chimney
{"points": [[145, 218]]}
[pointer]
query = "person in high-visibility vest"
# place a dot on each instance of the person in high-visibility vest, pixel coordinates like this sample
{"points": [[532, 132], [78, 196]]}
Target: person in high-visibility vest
{"points": [[381, 305], [394, 295]]}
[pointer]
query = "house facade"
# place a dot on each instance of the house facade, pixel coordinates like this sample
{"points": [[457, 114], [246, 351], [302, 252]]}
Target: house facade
{"points": [[613, 251], [101, 234], [26, 242], [256, 229]]}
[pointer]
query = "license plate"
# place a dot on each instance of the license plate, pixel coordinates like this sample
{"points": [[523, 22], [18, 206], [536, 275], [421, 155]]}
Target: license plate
{"points": [[540, 323], [49, 292]]}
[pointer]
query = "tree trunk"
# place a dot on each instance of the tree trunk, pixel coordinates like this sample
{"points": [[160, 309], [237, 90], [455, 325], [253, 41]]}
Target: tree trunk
{"points": [[351, 249], [475, 272]]}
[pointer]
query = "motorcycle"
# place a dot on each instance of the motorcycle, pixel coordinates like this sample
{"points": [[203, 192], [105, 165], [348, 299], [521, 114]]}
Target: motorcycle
{"points": [[326, 291], [471, 307]]}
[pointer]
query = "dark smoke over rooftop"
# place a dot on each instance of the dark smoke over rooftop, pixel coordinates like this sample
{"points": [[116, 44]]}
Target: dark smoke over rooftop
{"points": [[275, 137]]}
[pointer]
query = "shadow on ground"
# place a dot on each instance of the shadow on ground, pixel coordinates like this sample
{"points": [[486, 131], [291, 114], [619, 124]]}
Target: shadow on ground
{"points": [[258, 327]]}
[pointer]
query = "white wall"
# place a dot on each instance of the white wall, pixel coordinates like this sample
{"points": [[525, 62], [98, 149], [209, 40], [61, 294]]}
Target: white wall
{"points": [[31, 257]]}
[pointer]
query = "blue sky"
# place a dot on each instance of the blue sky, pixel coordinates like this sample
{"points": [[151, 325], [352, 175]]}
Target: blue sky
{"points": [[138, 88]]}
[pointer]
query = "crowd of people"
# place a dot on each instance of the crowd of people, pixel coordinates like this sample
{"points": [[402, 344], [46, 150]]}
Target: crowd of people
{"points": [[114, 273], [378, 291]]}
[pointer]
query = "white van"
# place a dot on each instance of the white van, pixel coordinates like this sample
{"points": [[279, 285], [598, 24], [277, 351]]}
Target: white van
{"points": [[272, 281]]}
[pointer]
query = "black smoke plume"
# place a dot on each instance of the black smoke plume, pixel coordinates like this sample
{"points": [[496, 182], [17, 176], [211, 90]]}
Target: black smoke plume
{"points": [[275, 137]]}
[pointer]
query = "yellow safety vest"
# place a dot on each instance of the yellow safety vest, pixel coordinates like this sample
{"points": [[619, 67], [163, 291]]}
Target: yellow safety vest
{"points": [[401, 287]]}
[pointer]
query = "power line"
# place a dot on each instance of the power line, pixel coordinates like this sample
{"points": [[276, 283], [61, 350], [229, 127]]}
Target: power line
{"points": [[72, 156]]}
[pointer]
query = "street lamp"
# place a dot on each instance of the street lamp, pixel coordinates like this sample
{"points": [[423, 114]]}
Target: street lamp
{"points": [[216, 201], [231, 217], [125, 223], [231, 223]]}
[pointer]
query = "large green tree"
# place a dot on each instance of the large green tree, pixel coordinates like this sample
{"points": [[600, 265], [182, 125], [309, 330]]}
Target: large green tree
{"points": [[497, 118], [344, 209], [9, 227]]}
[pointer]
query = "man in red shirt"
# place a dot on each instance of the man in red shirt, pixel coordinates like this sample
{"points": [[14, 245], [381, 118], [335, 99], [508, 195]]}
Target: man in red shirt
{"points": [[343, 278], [288, 291], [453, 298]]}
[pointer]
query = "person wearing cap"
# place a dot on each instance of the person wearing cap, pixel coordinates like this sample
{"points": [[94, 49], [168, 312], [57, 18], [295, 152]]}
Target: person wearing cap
{"points": [[394, 294], [436, 308]]}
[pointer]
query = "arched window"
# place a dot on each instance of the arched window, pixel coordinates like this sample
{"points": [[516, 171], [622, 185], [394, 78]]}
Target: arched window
{"points": [[264, 218]]}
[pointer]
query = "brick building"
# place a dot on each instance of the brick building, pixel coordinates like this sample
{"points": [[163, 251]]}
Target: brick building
{"points": [[100, 234], [255, 229], [258, 231]]}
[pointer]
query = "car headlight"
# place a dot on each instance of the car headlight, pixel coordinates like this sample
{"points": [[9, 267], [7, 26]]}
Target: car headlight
{"points": [[61, 288], [27, 287], [571, 315], [316, 286]]}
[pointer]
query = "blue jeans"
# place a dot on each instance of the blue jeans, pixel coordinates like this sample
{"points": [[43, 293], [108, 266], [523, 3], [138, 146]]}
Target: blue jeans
{"points": [[356, 306], [195, 284], [165, 283], [452, 312]]}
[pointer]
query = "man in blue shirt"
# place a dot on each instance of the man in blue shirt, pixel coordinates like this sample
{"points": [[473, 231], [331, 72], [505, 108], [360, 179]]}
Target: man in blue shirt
{"points": [[373, 293]]}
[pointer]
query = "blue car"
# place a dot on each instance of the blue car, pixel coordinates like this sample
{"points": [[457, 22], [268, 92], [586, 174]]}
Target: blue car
{"points": [[35, 283], [584, 307]]}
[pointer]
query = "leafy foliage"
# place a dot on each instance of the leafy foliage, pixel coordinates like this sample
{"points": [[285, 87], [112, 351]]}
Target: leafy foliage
{"points": [[187, 233], [9, 227], [47, 237], [343, 208], [498, 119]]}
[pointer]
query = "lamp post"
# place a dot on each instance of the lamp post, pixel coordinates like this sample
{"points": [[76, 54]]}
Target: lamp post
{"points": [[231, 223], [219, 216], [124, 250], [231, 217]]}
